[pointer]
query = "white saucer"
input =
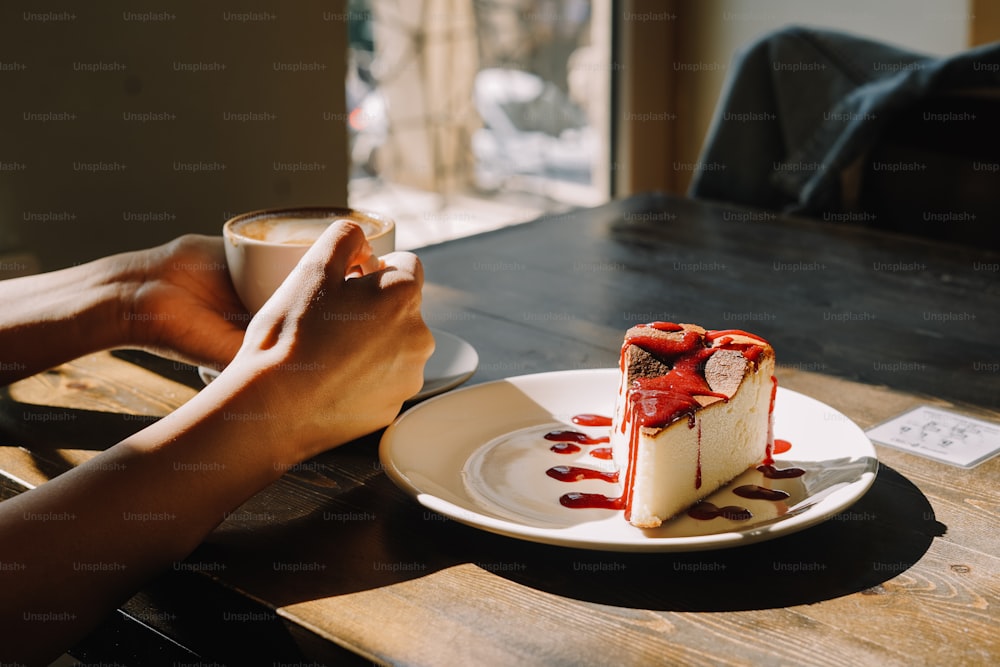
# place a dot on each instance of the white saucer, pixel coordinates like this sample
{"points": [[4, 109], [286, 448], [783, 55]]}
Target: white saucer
{"points": [[453, 362], [478, 455]]}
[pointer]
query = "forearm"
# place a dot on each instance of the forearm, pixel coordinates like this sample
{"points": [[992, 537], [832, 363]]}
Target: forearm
{"points": [[53, 317], [79, 545]]}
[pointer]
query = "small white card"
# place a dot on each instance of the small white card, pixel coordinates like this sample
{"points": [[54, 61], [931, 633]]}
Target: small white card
{"points": [[941, 435]]}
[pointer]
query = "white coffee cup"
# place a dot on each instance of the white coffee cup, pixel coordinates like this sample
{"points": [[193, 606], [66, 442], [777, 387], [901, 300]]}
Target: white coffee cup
{"points": [[262, 247]]}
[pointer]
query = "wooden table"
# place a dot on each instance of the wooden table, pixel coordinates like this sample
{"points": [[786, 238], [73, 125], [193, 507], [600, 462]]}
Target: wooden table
{"points": [[334, 564]]}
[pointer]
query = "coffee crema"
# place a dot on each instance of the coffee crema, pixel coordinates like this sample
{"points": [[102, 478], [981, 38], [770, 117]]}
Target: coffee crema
{"points": [[296, 231]]}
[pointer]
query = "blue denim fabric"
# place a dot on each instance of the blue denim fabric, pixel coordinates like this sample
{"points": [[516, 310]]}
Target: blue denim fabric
{"points": [[801, 105]]}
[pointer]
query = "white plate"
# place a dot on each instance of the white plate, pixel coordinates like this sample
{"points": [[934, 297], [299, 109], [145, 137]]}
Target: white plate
{"points": [[478, 455], [453, 362]]}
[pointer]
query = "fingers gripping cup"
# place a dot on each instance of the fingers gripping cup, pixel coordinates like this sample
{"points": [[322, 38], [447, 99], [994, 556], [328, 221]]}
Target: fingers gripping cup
{"points": [[262, 247]]}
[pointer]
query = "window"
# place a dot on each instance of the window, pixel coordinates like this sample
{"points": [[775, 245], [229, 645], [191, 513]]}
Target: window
{"points": [[465, 115]]}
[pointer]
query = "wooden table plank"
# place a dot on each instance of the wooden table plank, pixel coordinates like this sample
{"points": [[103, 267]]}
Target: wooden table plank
{"points": [[941, 611]]}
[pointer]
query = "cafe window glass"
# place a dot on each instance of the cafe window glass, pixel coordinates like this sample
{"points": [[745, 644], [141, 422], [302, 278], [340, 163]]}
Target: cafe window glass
{"points": [[466, 115]]}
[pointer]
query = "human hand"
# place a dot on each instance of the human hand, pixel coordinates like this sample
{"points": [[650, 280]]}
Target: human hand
{"points": [[339, 346], [181, 302]]}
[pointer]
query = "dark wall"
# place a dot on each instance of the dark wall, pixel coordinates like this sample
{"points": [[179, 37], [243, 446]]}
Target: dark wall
{"points": [[122, 126]]}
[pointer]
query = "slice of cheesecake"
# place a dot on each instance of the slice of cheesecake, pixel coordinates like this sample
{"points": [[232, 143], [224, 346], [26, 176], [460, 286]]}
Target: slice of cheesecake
{"points": [[693, 412]]}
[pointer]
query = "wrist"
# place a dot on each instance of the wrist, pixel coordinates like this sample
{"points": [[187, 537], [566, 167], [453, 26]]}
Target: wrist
{"points": [[237, 409], [120, 280], [114, 291], [277, 394]]}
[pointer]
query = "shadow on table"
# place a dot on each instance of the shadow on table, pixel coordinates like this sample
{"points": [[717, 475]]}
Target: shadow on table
{"points": [[883, 534], [45, 431], [69, 407], [353, 546], [369, 535]]}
